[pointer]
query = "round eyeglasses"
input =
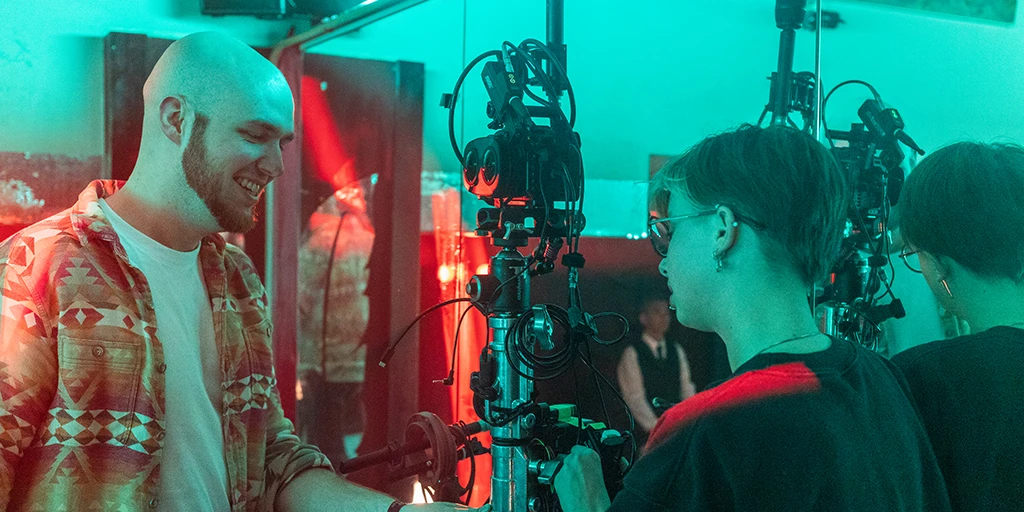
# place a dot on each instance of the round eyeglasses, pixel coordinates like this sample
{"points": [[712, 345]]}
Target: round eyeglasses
{"points": [[659, 230], [905, 256]]}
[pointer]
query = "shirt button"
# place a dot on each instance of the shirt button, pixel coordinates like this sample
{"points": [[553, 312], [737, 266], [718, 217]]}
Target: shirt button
{"points": [[153, 503], [98, 351], [161, 436], [161, 368]]}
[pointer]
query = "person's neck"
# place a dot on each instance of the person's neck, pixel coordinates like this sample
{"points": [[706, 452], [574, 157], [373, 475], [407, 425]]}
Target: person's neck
{"points": [[762, 318], [986, 303], [156, 217], [654, 336]]}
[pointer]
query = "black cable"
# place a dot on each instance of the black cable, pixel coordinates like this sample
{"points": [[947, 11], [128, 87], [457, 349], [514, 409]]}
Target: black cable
{"points": [[533, 96], [579, 408], [824, 103], [888, 254], [885, 246], [763, 114], [583, 186], [625, 329], [327, 293], [514, 54], [529, 262], [472, 473], [391, 349], [561, 69], [572, 238], [625, 406], [588, 357], [524, 53], [509, 415], [570, 205], [450, 379], [455, 98], [544, 367], [572, 208]]}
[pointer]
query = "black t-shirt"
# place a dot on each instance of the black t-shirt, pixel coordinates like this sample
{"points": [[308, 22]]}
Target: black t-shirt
{"points": [[970, 391], [829, 431]]}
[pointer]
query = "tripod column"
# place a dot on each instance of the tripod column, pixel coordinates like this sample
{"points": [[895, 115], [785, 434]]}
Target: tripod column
{"points": [[511, 488], [789, 16]]}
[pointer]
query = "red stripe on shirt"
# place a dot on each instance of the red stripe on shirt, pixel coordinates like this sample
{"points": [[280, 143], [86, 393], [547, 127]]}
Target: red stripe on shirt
{"points": [[779, 380]]}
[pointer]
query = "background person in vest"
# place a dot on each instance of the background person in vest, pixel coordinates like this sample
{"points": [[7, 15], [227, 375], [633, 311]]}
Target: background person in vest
{"points": [[652, 366]]}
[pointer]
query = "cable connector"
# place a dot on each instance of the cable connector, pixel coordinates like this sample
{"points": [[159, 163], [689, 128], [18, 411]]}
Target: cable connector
{"points": [[387, 356], [581, 322]]}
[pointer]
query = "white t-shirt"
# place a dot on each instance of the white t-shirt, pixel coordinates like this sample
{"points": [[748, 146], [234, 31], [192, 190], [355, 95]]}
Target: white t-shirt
{"points": [[193, 474]]}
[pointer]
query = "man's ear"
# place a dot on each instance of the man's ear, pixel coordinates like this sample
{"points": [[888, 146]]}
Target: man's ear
{"points": [[172, 118], [725, 229]]}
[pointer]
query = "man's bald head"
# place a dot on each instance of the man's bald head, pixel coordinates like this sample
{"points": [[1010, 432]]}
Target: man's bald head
{"points": [[213, 71], [217, 115]]}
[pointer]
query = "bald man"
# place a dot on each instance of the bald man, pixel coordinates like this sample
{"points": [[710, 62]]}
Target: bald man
{"points": [[135, 349]]}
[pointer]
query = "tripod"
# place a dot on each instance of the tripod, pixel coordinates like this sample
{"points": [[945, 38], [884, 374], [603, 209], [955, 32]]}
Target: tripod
{"points": [[508, 285]]}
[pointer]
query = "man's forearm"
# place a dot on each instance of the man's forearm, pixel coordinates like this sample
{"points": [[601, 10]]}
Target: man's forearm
{"points": [[320, 489]]}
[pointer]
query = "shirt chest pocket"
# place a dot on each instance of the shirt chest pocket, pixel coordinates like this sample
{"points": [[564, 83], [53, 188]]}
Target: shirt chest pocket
{"points": [[99, 375]]}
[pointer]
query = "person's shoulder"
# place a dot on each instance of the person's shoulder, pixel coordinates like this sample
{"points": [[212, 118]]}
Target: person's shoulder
{"points": [[38, 243], [737, 394], [629, 351], [952, 352], [935, 351], [679, 347]]}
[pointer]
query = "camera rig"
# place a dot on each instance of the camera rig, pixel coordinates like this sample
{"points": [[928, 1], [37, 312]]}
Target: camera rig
{"points": [[531, 176], [530, 173], [871, 157]]}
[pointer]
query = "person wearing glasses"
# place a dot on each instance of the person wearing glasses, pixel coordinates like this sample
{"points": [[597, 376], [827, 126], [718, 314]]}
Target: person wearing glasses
{"points": [[962, 221], [746, 222]]}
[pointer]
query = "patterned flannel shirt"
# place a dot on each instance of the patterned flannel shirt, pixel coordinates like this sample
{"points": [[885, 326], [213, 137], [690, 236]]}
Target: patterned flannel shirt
{"points": [[82, 372]]}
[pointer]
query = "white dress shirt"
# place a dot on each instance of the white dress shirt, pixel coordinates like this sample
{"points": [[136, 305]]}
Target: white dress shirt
{"points": [[631, 381]]}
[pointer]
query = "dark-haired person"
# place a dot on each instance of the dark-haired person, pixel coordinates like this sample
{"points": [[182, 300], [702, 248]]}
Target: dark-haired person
{"points": [[962, 222], [135, 352], [748, 221]]}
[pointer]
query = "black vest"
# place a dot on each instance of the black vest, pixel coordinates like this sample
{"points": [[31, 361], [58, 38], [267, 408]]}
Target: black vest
{"points": [[661, 376]]}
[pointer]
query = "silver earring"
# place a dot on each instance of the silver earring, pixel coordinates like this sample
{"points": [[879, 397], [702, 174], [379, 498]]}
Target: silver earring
{"points": [[946, 286], [719, 264]]}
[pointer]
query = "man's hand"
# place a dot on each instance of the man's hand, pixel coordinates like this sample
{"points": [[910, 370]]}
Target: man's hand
{"points": [[579, 484]]}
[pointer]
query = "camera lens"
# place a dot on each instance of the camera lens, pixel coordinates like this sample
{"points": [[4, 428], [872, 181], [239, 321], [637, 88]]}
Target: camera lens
{"points": [[470, 172], [489, 167]]}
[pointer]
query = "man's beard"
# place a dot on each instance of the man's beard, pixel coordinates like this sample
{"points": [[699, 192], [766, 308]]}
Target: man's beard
{"points": [[205, 182]]}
